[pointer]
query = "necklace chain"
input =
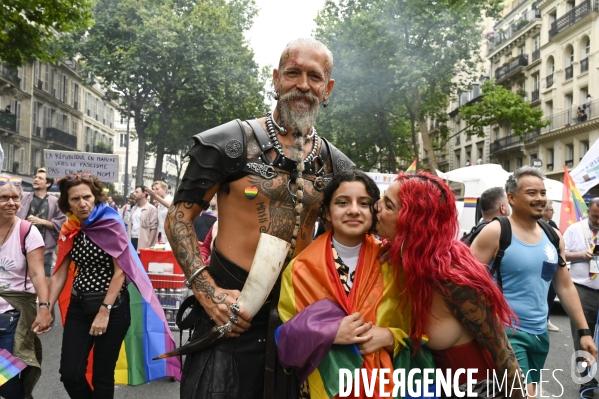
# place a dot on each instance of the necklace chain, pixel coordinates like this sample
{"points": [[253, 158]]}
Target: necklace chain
{"points": [[270, 126], [7, 233]]}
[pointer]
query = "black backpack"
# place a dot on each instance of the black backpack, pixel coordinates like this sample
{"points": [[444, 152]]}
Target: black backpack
{"points": [[505, 240], [468, 238]]}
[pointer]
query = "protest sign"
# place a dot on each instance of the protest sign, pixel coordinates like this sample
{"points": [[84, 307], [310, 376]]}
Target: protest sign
{"points": [[61, 163]]}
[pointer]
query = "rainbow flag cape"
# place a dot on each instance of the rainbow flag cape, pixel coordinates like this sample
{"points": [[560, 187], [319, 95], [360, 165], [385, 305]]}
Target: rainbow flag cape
{"points": [[9, 366], [149, 334], [312, 291], [574, 209], [412, 168]]}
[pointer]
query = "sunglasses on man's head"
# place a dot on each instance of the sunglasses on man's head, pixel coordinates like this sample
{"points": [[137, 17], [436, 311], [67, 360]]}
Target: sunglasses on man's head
{"points": [[15, 181], [76, 176]]}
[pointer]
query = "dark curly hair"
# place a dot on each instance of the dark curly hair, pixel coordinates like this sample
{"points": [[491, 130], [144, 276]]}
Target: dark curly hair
{"points": [[64, 185], [352, 176]]}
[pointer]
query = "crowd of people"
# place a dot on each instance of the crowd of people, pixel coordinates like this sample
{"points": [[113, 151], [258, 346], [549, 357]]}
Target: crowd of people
{"points": [[370, 281]]}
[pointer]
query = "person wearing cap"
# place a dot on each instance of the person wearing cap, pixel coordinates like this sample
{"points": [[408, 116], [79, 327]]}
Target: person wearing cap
{"points": [[42, 210]]}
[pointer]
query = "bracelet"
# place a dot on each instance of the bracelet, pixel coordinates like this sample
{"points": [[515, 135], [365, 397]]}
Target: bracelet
{"points": [[194, 275], [584, 332], [46, 304]]}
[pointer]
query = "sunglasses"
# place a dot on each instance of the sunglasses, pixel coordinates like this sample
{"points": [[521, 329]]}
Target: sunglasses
{"points": [[15, 181], [76, 176]]}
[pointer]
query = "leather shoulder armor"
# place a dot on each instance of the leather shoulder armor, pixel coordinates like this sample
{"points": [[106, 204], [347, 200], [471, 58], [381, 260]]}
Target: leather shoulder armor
{"points": [[339, 161], [217, 154]]}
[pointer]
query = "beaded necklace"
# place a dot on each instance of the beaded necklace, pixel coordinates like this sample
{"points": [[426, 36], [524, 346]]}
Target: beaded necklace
{"points": [[298, 196]]}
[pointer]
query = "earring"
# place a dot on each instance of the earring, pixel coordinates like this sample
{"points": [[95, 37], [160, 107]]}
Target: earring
{"points": [[325, 103], [277, 96]]}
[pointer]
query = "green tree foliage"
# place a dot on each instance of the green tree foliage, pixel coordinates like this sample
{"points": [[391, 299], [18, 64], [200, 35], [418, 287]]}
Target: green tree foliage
{"points": [[501, 106], [175, 60], [406, 56], [31, 28]]}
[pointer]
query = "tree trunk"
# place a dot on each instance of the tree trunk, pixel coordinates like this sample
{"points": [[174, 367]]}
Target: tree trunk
{"points": [[389, 143], [427, 145], [140, 129], [414, 141]]}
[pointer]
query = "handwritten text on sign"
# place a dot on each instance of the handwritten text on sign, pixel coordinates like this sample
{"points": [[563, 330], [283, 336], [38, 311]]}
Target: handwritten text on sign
{"points": [[61, 163]]}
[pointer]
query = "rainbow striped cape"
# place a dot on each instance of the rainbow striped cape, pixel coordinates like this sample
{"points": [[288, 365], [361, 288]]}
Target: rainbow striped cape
{"points": [[311, 278], [149, 334], [10, 366]]}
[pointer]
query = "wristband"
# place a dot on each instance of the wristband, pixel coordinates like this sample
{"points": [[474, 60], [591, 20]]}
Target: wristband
{"points": [[584, 332], [46, 304], [194, 275]]}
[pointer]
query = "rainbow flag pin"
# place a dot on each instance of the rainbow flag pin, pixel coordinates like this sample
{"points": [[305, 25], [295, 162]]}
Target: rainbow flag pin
{"points": [[251, 192], [470, 202], [10, 366]]}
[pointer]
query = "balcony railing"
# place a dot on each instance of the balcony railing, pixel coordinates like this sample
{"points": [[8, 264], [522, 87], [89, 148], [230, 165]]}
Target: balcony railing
{"points": [[10, 74], [513, 141], [571, 17], [60, 137], [148, 172], [534, 95], [513, 66], [536, 54], [8, 121], [584, 65], [569, 163], [549, 166], [569, 72], [516, 26], [570, 116], [549, 80]]}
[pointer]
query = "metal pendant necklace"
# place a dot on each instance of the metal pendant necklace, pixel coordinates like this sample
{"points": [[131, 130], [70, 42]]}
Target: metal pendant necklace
{"points": [[270, 127]]}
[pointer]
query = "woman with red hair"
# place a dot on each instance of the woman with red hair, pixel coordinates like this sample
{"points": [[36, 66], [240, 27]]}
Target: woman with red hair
{"points": [[454, 301]]}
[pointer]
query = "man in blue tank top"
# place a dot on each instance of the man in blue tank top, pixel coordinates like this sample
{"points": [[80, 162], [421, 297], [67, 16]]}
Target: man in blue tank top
{"points": [[528, 267]]}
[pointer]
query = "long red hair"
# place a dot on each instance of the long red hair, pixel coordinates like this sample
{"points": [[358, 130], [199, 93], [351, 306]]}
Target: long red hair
{"points": [[427, 222]]}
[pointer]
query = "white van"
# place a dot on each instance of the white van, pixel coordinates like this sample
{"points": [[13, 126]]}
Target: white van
{"points": [[470, 182]]}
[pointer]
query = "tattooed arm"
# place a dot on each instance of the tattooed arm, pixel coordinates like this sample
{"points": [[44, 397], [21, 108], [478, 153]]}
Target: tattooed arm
{"points": [[184, 243], [475, 314]]}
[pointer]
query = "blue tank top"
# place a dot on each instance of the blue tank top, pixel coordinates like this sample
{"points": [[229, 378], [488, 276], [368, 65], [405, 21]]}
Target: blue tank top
{"points": [[527, 271]]}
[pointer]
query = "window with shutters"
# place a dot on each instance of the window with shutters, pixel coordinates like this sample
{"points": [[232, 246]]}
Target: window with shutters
{"points": [[22, 161], [23, 71], [74, 127], [11, 157], [17, 108], [46, 77]]}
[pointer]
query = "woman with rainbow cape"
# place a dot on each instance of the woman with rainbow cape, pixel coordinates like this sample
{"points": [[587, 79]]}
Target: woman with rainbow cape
{"points": [[339, 305], [454, 301], [104, 316]]}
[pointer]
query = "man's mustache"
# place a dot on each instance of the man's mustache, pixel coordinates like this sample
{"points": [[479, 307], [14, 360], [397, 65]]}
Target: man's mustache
{"points": [[296, 95]]}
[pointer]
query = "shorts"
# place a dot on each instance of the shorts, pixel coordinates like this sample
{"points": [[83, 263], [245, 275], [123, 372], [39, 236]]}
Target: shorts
{"points": [[531, 352], [48, 263]]}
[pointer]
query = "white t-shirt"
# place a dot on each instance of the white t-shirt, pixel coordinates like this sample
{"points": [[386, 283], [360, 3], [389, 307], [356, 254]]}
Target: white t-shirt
{"points": [[12, 262], [578, 238], [350, 256], [162, 211], [135, 223]]}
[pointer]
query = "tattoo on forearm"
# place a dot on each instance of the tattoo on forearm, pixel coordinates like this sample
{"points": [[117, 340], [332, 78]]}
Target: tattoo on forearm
{"points": [[184, 244], [472, 309]]}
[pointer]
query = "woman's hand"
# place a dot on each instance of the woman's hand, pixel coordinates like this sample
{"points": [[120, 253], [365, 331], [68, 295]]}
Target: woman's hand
{"points": [[100, 322], [353, 330], [381, 338], [43, 321]]}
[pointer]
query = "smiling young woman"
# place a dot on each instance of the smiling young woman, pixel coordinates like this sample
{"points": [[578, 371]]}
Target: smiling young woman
{"points": [[339, 304]]}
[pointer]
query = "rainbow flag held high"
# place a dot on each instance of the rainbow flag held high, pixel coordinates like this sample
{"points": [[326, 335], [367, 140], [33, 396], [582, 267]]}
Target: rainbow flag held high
{"points": [[470, 202], [10, 366], [149, 334], [574, 209], [412, 168]]}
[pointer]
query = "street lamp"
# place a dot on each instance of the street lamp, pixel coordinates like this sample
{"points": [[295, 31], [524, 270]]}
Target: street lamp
{"points": [[126, 183], [126, 188]]}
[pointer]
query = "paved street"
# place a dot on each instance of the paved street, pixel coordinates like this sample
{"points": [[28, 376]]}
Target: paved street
{"points": [[50, 386]]}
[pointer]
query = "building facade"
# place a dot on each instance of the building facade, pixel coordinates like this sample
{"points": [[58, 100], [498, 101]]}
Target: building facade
{"points": [[547, 52], [46, 106]]}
